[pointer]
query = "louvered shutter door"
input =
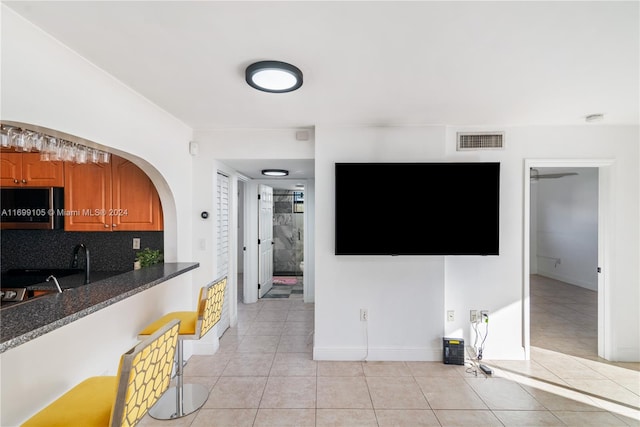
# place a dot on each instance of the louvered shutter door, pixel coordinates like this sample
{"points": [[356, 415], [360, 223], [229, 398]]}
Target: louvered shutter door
{"points": [[222, 249]]}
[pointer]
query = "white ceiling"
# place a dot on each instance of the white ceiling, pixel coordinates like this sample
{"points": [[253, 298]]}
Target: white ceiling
{"points": [[299, 170], [364, 63]]}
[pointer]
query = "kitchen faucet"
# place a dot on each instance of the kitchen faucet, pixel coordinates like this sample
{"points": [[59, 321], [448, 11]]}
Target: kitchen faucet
{"points": [[74, 261], [56, 282]]}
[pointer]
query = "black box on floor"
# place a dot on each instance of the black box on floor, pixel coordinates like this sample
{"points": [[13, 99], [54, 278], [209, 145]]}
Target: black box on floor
{"points": [[453, 351]]}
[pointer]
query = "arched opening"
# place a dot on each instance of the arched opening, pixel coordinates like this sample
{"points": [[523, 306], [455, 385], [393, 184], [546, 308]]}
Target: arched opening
{"points": [[116, 204]]}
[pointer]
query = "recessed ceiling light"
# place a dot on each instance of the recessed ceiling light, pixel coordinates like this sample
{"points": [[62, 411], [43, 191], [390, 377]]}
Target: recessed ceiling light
{"points": [[275, 172], [594, 118], [273, 76]]}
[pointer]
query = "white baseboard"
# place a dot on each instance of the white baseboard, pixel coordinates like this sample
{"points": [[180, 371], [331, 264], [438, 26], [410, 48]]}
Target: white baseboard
{"points": [[402, 354], [207, 345], [626, 354]]}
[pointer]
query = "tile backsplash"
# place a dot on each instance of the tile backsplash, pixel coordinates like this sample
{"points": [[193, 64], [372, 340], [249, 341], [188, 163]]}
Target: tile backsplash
{"points": [[110, 251]]}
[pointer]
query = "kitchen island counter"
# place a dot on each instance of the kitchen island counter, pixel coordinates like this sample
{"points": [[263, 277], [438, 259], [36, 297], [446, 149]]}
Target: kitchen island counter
{"points": [[23, 322]]}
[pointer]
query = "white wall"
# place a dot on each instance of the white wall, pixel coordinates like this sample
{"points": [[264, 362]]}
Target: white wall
{"points": [[413, 293], [567, 226], [406, 296], [619, 144], [45, 84]]}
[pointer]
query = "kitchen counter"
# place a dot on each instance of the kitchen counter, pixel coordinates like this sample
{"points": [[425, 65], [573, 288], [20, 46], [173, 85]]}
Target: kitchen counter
{"points": [[25, 321]]}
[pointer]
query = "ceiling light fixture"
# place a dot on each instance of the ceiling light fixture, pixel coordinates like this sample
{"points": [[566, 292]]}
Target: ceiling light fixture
{"points": [[275, 172], [273, 76]]}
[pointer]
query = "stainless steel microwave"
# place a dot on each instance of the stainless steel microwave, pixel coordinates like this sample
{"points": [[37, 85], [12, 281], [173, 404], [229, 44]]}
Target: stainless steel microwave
{"points": [[32, 208]]}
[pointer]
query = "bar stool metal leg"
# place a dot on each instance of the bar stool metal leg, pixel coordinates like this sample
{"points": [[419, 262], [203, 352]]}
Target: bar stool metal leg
{"points": [[182, 399]]}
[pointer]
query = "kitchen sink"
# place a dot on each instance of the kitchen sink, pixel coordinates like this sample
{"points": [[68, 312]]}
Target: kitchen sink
{"points": [[44, 271], [40, 293], [30, 276], [14, 296]]}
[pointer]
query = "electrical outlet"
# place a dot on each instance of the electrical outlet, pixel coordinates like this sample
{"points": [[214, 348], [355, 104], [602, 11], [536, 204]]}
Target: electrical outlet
{"points": [[484, 316], [473, 316], [364, 314], [450, 316], [136, 243]]}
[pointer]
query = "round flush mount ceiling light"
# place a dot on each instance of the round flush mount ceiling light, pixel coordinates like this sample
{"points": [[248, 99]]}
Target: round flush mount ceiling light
{"points": [[275, 172], [273, 76]]}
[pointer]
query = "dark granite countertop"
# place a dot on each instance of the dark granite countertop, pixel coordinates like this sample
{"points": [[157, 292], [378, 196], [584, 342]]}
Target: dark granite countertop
{"points": [[25, 321]]}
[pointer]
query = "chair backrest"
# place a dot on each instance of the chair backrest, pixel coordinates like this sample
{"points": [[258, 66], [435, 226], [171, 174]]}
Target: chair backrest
{"points": [[210, 305], [144, 375]]}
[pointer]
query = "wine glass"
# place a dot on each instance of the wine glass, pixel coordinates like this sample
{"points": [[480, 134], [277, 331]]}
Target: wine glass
{"points": [[4, 137]]}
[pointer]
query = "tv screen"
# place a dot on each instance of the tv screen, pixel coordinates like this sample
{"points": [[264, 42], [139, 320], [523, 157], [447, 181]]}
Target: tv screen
{"points": [[417, 208]]}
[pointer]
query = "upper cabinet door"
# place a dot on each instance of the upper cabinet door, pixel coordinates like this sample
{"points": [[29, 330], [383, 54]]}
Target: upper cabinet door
{"points": [[10, 169], [87, 197], [41, 174], [136, 204], [27, 170]]}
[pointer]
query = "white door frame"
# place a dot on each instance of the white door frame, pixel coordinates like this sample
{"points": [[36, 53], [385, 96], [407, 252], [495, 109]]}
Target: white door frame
{"points": [[605, 195], [250, 234]]}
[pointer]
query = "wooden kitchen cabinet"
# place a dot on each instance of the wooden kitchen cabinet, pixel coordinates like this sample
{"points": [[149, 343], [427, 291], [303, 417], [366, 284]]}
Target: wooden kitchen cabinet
{"points": [[117, 196], [87, 196], [136, 198], [27, 170]]}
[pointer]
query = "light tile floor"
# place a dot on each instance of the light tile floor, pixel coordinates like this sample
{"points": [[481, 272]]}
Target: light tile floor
{"points": [[564, 317], [264, 375]]}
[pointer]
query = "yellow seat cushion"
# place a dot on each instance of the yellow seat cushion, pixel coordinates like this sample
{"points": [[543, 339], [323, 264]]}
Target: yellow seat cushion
{"points": [[188, 320], [88, 404]]}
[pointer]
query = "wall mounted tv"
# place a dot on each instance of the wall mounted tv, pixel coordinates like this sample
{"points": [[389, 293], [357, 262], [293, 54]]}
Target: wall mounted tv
{"points": [[417, 208]]}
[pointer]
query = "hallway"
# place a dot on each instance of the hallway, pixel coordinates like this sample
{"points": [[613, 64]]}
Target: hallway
{"points": [[264, 375]]}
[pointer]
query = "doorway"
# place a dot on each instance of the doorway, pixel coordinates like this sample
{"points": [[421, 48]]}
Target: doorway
{"points": [[299, 235], [563, 259], [288, 238], [560, 210]]}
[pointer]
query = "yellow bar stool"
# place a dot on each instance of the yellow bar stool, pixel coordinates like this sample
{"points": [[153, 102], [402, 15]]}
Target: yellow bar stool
{"points": [[143, 376], [183, 399]]}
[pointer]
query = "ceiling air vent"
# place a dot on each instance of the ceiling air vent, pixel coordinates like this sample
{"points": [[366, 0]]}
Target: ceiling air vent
{"points": [[480, 141]]}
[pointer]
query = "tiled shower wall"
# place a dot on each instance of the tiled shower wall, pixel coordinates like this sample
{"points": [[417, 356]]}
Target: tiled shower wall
{"points": [[110, 251], [288, 235]]}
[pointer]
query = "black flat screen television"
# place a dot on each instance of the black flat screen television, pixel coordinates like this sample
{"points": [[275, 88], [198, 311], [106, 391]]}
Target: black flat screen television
{"points": [[417, 208]]}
